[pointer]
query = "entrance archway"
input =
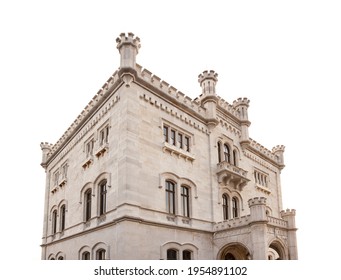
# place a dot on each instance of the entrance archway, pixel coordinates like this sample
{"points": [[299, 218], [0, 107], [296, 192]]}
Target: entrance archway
{"points": [[234, 251], [276, 251]]}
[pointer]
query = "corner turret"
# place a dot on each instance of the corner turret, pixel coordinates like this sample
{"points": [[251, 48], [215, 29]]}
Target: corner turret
{"points": [[289, 216], [128, 47], [208, 98], [46, 149], [258, 209], [242, 105], [279, 151]]}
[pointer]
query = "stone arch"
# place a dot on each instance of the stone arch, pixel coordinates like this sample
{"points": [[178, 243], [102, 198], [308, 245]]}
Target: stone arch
{"points": [[277, 249], [234, 251], [83, 250], [60, 256]]}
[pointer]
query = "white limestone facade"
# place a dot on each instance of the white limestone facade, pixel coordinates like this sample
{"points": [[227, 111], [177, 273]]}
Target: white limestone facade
{"points": [[145, 172]]}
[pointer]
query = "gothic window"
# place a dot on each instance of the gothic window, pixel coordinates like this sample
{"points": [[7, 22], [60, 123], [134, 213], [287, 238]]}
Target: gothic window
{"points": [[235, 210], [60, 258], [100, 254], [227, 153], [87, 200], [86, 255], [186, 255], [185, 200], [170, 197], [172, 254], [54, 222], [62, 217], [225, 206], [102, 197]]}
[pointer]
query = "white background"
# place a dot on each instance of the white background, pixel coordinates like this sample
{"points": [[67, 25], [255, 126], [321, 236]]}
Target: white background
{"points": [[282, 55]]}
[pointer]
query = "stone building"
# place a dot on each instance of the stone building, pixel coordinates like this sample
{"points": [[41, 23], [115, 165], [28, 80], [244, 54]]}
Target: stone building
{"points": [[145, 172]]}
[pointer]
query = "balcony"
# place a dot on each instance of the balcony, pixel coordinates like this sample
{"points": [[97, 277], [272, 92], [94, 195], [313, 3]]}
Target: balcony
{"points": [[232, 175]]}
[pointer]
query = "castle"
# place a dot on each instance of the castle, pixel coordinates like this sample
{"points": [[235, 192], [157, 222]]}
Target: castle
{"points": [[145, 172]]}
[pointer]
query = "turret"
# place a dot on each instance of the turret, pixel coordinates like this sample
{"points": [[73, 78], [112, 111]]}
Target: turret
{"points": [[208, 98], [258, 209], [242, 105], [279, 151], [46, 149], [289, 216], [128, 47]]}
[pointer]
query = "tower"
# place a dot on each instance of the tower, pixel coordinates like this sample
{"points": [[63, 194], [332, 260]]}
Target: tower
{"points": [[242, 105], [208, 81]]}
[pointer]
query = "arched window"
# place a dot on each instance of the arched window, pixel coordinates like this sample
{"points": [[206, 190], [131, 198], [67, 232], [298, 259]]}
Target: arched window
{"points": [[219, 152], [100, 254], [102, 197], [54, 222], [186, 255], [235, 159], [226, 153], [172, 254], [225, 207], [60, 258], [86, 255], [87, 200], [170, 197], [185, 200], [62, 217], [235, 209]]}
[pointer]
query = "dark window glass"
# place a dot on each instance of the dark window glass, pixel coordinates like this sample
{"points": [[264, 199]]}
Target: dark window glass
{"points": [[172, 137], [62, 218], [100, 254], [180, 140], [186, 143], [219, 152], [102, 197], [185, 200], [186, 255], [86, 256], [172, 254], [54, 222], [225, 207], [170, 197], [88, 205]]}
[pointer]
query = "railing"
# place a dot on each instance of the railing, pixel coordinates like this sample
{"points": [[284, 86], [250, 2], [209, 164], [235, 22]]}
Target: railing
{"points": [[277, 222], [224, 165]]}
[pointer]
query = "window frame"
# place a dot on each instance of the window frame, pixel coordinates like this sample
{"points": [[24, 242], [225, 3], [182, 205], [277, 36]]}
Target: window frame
{"points": [[87, 204], [62, 217], [170, 197], [185, 200], [102, 188]]}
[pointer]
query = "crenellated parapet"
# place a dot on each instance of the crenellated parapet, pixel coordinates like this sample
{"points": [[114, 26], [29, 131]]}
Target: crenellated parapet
{"points": [[257, 201], [258, 209], [289, 216], [169, 91]]}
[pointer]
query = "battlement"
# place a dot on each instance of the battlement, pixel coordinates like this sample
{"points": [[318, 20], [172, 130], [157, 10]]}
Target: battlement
{"points": [[288, 212], [278, 149], [169, 90], [46, 146], [257, 201], [128, 40], [212, 75], [240, 102]]}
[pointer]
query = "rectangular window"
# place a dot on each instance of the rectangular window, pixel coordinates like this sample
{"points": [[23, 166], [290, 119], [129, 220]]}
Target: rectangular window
{"points": [[64, 171], [103, 136], [186, 144], [261, 179], [89, 148], [180, 140], [172, 137], [165, 133], [56, 178]]}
